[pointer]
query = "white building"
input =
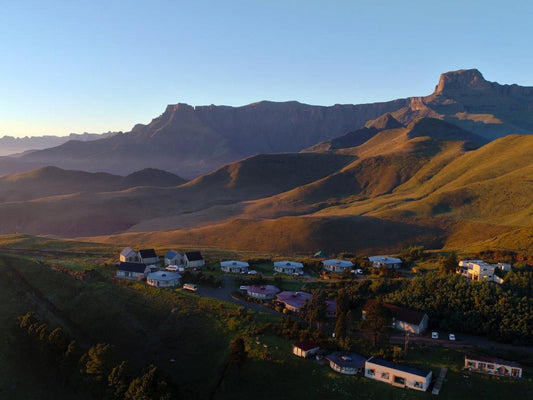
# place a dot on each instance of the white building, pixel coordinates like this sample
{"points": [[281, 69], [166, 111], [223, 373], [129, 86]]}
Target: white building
{"points": [[337, 265], [193, 259], [148, 256], [305, 349], [163, 279], [479, 270], [403, 319], [173, 258], [132, 271], [128, 255], [234, 267], [289, 267], [493, 366], [397, 375], [346, 363], [384, 261]]}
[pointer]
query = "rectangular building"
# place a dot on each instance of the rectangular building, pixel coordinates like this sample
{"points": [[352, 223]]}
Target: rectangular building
{"points": [[398, 375]]}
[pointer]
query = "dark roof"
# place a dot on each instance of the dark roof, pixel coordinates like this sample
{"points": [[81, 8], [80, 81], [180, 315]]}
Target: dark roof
{"points": [[400, 313], [347, 360], [194, 256], [306, 345], [132, 267], [493, 360], [399, 367], [147, 253]]}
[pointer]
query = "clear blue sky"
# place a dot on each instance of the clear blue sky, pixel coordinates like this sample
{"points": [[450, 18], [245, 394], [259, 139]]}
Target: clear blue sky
{"points": [[75, 66]]}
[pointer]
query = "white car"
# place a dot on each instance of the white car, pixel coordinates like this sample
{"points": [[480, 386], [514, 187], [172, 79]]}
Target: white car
{"points": [[244, 288], [451, 336], [434, 335], [359, 271], [252, 272]]}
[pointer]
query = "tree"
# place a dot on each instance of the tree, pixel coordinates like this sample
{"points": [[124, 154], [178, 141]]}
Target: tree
{"points": [[97, 362], [342, 301], [377, 321], [149, 386], [450, 263], [316, 309], [340, 326], [237, 352], [119, 380]]}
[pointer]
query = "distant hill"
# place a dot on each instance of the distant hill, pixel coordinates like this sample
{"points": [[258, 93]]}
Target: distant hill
{"points": [[12, 145]]}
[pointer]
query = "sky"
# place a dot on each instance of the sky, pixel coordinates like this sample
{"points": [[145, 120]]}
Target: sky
{"points": [[98, 66]]}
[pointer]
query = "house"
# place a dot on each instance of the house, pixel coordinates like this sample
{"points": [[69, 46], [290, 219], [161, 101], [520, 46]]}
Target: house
{"points": [[493, 366], [289, 267], [346, 363], [383, 261], [479, 270], [163, 279], [133, 271], [404, 319], [235, 267], [294, 301], [193, 259], [128, 255], [397, 374], [262, 292], [305, 349], [173, 258], [148, 256], [337, 265]]}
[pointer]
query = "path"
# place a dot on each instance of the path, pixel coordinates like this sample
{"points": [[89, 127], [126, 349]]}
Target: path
{"points": [[440, 380]]}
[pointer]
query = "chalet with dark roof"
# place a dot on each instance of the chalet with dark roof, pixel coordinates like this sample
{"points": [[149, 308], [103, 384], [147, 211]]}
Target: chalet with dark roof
{"points": [[148, 256], [132, 271], [404, 319], [129, 255], [193, 259]]}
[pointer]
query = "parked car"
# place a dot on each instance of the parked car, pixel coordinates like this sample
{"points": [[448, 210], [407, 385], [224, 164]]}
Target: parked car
{"points": [[252, 272], [434, 335], [243, 288], [451, 336], [359, 271]]}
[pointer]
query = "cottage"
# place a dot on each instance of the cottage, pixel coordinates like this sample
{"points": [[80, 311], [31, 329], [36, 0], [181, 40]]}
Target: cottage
{"points": [[337, 265], [193, 259], [173, 258], [235, 267], [133, 271], [397, 374], [128, 255], [404, 319], [382, 261], [148, 256], [479, 270], [305, 349], [346, 363], [262, 292], [289, 267], [294, 301], [163, 279], [493, 366]]}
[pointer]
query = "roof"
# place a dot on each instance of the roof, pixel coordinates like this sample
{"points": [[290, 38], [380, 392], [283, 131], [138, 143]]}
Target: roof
{"points": [[194, 256], [298, 299], [126, 251], [399, 367], [163, 275], [492, 360], [347, 360], [306, 345], [400, 313], [234, 263], [147, 253], [385, 259], [132, 267], [171, 254], [288, 264], [267, 289], [339, 263]]}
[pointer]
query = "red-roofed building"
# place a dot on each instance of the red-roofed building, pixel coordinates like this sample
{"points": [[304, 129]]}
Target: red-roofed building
{"points": [[305, 349], [404, 319]]}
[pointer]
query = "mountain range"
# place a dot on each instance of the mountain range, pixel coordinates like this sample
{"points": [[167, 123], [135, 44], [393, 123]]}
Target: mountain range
{"points": [[191, 141]]}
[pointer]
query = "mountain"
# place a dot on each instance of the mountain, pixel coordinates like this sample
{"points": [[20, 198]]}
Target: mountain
{"points": [[12, 145]]}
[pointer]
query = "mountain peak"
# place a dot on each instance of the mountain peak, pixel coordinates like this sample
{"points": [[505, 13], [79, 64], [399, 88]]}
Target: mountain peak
{"points": [[462, 79], [386, 121]]}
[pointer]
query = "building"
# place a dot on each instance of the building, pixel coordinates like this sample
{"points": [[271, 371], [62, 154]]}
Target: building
{"points": [[193, 259], [493, 366], [383, 261], [133, 271], [479, 270], [289, 267], [262, 292], [294, 301], [337, 265], [163, 279], [305, 349], [346, 363], [234, 267], [148, 256], [397, 374], [173, 258], [128, 255], [404, 319]]}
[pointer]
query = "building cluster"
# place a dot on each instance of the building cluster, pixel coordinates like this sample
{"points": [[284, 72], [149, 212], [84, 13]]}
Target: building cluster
{"points": [[479, 270]]}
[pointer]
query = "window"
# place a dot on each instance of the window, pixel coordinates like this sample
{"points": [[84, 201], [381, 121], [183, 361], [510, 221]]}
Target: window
{"points": [[385, 375], [419, 384], [370, 372], [471, 363], [399, 380], [490, 366]]}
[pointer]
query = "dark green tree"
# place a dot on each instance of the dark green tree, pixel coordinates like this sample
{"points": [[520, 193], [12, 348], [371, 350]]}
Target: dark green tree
{"points": [[119, 380], [97, 362], [340, 326], [377, 322], [450, 263]]}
